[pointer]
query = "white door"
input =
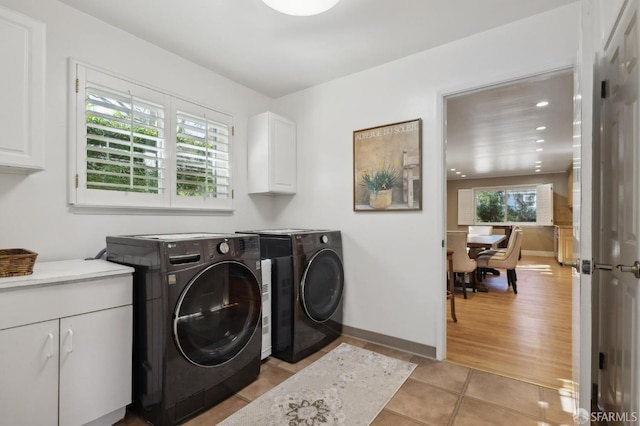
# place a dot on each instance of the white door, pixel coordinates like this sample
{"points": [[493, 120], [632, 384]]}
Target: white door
{"points": [[95, 364], [582, 189], [619, 324], [29, 372]]}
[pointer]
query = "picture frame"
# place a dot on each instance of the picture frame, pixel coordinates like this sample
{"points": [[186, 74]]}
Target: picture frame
{"points": [[387, 167]]}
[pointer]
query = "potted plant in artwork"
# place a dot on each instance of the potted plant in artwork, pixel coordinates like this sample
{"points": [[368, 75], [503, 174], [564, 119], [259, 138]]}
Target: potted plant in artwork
{"points": [[380, 185]]}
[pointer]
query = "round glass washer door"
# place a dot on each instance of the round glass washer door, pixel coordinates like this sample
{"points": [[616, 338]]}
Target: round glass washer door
{"points": [[217, 313], [322, 285]]}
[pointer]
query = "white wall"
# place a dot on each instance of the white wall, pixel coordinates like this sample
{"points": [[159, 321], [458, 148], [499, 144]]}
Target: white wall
{"points": [[394, 261], [34, 213]]}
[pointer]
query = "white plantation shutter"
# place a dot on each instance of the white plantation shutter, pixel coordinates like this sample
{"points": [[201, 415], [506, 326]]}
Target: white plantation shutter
{"points": [[544, 204], [466, 207], [202, 157], [139, 147], [125, 147]]}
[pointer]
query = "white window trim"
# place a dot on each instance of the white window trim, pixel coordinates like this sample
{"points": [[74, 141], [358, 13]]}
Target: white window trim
{"points": [[544, 199], [86, 200]]}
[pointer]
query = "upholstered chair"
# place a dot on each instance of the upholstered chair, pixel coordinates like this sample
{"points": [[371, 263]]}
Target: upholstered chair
{"points": [[462, 264], [504, 258]]}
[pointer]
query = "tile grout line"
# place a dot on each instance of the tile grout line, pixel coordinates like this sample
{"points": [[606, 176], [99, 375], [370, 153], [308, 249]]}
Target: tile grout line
{"points": [[460, 397]]}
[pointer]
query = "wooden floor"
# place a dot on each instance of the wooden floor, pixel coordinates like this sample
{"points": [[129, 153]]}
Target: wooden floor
{"points": [[525, 336]]}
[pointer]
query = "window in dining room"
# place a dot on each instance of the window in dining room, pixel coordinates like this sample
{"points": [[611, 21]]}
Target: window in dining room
{"points": [[509, 204]]}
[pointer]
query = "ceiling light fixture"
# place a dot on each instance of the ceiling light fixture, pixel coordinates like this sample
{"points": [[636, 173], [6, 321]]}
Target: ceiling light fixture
{"points": [[541, 128], [540, 141], [301, 7], [539, 104]]}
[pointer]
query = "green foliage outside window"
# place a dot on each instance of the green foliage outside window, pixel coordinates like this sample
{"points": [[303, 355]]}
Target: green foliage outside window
{"points": [[511, 205], [490, 206], [110, 164], [521, 206]]}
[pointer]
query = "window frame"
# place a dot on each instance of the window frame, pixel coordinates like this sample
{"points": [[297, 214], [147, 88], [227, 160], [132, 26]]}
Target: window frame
{"points": [[83, 198]]}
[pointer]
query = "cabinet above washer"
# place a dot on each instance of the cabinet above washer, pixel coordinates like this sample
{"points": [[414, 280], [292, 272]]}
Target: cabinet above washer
{"points": [[271, 154]]}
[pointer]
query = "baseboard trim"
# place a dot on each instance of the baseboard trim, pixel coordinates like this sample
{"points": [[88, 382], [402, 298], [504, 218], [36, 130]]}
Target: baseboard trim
{"points": [[390, 341], [537, 253]]}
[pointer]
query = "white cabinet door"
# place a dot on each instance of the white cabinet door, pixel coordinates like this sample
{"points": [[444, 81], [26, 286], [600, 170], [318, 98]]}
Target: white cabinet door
{"points": [[95, 364], [22, 39], [272, 155], [29, 371]]}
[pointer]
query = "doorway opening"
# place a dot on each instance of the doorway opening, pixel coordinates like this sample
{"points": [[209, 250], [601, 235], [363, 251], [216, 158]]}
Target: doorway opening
{"points": [[514, 135]]}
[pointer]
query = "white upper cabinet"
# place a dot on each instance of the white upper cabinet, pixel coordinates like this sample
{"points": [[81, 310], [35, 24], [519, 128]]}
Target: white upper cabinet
{"points": [[271, 154], [22, 47]]}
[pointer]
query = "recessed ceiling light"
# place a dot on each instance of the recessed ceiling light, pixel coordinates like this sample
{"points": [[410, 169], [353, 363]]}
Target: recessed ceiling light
{"points": [[458, 173], [463, 176], [540, 141], [538, 162], [539, 149], [541, 127], [453, 170], [537, 170], [541, 104]]}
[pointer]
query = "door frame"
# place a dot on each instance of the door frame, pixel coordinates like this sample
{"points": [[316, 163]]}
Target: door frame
{"points": [[441, 95]]}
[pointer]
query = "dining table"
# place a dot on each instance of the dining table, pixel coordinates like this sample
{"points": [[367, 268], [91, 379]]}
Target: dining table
{"points": [[477, 243]]}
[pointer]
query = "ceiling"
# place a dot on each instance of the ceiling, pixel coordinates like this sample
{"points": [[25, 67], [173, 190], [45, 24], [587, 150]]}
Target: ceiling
{"points": [[276, 54], [495, 132]]}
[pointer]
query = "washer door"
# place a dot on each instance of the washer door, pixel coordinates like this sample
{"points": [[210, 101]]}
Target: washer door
{"points": [[322, 285], [217, 313]]}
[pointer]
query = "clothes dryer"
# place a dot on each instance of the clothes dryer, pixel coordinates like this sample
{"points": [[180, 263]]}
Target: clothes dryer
{"points": [[307, 289], [197, 319]]}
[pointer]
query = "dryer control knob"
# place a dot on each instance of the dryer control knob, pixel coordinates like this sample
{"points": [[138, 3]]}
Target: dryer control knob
{"points": [[324, 239], [223, 247]]}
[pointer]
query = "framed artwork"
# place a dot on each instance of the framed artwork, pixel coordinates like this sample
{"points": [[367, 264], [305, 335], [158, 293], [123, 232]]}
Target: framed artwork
{"points": [[387, 167]]}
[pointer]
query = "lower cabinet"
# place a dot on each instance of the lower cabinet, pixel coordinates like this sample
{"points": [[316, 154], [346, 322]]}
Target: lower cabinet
{"points": [[95, 364], [563, 243], [94, 354], [29, 358], [65, 347]]}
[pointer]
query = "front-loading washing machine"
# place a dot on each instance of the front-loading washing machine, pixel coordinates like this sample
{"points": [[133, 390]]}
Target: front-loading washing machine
{"points": [[307, 289], [197, 319]]}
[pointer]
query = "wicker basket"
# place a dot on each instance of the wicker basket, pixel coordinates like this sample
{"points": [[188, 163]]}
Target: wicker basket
{"points": [[14, 262]]}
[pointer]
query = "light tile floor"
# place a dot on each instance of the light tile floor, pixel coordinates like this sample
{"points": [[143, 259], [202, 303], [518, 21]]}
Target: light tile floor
{"points": [[437, 393]]}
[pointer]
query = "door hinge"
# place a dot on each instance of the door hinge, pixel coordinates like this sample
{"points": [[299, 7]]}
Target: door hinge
{"points": [[603, 89], [77, 181], [601, 360], [77, 85], [442, 243], [233, 193], [233, 130]]}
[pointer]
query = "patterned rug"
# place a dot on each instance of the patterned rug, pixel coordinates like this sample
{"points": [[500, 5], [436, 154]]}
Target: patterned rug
{"points": [[348, 386]]}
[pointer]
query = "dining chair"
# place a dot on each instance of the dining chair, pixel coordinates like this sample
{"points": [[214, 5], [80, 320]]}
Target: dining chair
{"points": [[504, 258], [451, 284], [480, 229], [463, 265]]}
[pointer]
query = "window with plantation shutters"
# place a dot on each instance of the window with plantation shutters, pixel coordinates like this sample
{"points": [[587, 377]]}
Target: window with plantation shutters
{"points": [[506, 205], [202, 157], [138, 147], [125, 143]]}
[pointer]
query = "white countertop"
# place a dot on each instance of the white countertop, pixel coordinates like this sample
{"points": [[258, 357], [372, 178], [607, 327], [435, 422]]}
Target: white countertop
{"points": [[65, 271]]}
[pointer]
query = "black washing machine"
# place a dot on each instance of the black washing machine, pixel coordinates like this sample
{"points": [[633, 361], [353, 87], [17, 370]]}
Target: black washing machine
{"points": [[307, 289], [197, 319]]}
